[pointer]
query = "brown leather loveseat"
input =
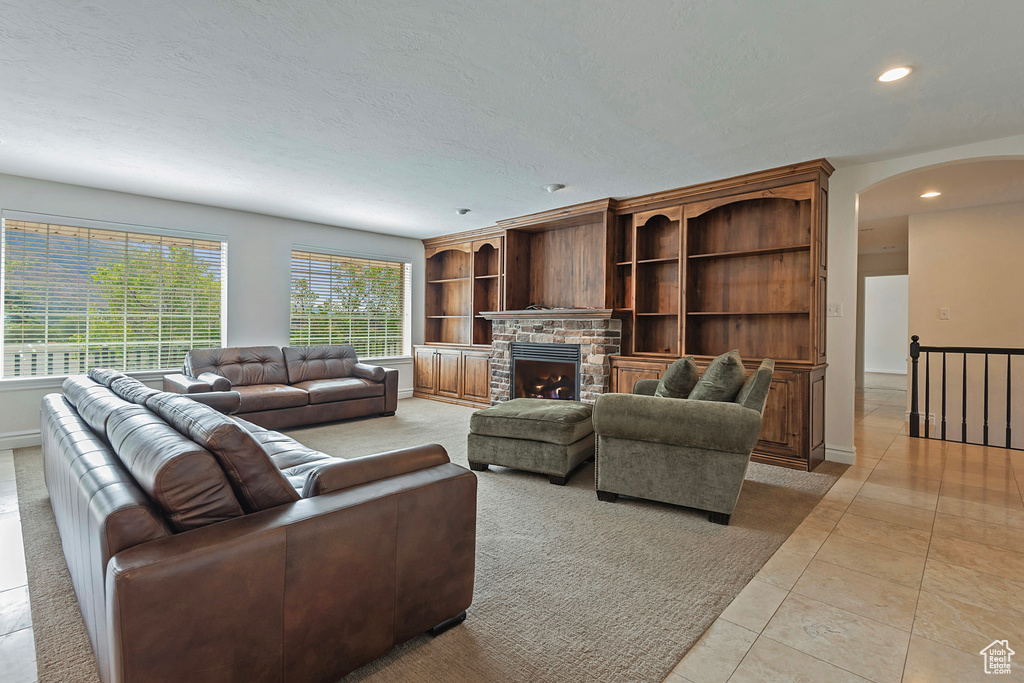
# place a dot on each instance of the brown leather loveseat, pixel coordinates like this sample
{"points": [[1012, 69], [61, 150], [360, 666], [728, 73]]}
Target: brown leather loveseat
{"points": [[205, 548], [291, 386]]}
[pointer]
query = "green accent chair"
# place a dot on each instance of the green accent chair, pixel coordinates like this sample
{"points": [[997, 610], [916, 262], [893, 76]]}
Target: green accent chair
{"points": [[680, 451]]}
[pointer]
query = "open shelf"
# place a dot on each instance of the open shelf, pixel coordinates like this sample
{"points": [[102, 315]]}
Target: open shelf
{"points": [[657, 238], [486, 261], [622, 240], [753, 252], [669, 259], [451, 279]]}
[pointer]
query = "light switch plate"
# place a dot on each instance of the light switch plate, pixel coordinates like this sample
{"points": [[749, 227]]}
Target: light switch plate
{"points": [[835, 310], [943, 314]]}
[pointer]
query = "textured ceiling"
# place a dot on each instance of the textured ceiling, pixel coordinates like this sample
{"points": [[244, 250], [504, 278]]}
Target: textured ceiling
{"points": [[385, 116], [884, 209]]}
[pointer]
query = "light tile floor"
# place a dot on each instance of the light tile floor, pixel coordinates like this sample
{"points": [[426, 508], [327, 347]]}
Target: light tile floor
{"points": [[908, 567], [17, 649]]}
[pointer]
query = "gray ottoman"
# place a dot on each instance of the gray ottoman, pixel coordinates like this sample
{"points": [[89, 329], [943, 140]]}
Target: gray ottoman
{"points": [[535, 434]]}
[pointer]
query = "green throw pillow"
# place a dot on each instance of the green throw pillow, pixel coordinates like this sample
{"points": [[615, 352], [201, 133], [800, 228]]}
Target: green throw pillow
{"points": [[722, 380], [679, 379]]}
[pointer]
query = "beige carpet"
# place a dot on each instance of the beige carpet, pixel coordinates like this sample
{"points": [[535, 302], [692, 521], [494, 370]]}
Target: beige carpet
{"points": [[568, 588]]}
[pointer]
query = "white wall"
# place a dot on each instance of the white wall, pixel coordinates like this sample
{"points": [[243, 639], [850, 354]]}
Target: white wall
{"points": [[886, 299], [259, 253], [969, 261], [844, 187]]}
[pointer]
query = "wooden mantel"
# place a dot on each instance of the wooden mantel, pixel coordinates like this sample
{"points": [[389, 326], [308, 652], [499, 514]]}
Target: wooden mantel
{"points": [[550, 314]]}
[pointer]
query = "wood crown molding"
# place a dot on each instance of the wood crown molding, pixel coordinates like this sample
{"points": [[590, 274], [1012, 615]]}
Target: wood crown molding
{"points": [[559, 215], [466, 236], [563, 216]]}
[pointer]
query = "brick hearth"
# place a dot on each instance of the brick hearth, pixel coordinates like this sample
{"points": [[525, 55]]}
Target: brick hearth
{"points": [[598, 340]]}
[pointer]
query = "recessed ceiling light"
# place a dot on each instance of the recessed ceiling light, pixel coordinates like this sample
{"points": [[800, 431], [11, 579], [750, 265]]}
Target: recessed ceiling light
{"points": [[895, 74], [554, 187], [929, 195], [462, 212]]}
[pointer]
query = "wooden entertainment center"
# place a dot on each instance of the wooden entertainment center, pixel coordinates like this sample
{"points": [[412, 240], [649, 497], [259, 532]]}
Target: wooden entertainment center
{"points": [[699, 270]]}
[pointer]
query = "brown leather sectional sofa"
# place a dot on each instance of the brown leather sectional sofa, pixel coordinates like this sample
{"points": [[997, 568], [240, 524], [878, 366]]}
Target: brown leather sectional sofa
{"points": [[205, 548], [291, 386]]}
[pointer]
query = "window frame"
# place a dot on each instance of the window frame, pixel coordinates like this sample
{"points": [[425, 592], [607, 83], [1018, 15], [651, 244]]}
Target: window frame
{"points": [[346, 253], [44, 381]]}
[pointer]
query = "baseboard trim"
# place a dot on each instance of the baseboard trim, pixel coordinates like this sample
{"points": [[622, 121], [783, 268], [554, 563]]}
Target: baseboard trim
{"points": [[841, 454], [404, 393], [21, 439]]}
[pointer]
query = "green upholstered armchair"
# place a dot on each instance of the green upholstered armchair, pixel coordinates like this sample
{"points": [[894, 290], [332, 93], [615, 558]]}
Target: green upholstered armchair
{"points": [[680, 451]]}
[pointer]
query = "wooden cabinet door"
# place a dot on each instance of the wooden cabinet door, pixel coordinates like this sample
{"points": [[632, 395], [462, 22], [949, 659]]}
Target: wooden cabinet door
{"points": [[626, 372], [449, 375], [424, 369], [627, 377], [783, 421], [476, 376]]}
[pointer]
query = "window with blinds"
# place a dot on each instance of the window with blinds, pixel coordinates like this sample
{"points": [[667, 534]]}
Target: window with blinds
{"points": [[347, 300], [75, 298]]}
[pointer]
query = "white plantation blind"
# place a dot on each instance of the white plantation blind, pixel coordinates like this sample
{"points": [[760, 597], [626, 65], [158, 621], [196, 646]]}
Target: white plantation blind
{"points": [[347, 300], [76, 298]]}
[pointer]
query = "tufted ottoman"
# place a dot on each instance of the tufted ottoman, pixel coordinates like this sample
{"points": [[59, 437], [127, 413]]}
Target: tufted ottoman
{"points": [[535, 434]]}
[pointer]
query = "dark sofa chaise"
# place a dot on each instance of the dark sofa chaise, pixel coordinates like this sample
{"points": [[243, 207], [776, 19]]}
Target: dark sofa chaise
{"points": [[291, 386], [204, 548]]}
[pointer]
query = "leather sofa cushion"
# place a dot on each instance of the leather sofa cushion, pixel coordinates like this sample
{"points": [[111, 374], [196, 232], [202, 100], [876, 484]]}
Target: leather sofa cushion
{"points": [[270, 397], [293, 459], [319, 362], [94, 402], [342, 389], [535, 419], [132, 390], [243, 366], [105, 376], [181, 477], [257, 482], [216, 382]]}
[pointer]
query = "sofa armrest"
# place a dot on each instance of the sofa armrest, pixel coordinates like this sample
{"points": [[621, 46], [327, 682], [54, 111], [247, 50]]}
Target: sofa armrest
{"points": [[345, 474], [645, 387], [183, 384], [373, 372], [708, 425], [390, 390], [226, 402], [315, 588], [216, 382]]}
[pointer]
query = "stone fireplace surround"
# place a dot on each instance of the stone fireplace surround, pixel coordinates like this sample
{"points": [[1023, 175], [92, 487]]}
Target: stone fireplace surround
{"points": [[598, 335]]}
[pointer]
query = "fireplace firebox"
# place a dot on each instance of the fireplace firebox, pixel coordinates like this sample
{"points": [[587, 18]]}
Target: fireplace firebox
{"points": [[545, 371]]}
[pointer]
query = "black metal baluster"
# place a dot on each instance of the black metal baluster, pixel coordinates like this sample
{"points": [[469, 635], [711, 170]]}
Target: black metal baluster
{"points": [[963, 405], [943, 395], [927, 392], [915, 416], [984, 433], [1008, 407]]}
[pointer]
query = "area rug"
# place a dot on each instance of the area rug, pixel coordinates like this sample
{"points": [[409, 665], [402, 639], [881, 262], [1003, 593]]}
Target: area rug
{"points": [[567, 588]]}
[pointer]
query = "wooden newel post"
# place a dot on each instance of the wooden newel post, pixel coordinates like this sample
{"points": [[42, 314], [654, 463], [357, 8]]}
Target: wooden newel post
{"points": [[915, 416]]}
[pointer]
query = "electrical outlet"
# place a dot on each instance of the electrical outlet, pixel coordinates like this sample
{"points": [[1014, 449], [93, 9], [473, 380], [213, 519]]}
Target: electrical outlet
{"points": [[943, 314], [835, 310]]}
